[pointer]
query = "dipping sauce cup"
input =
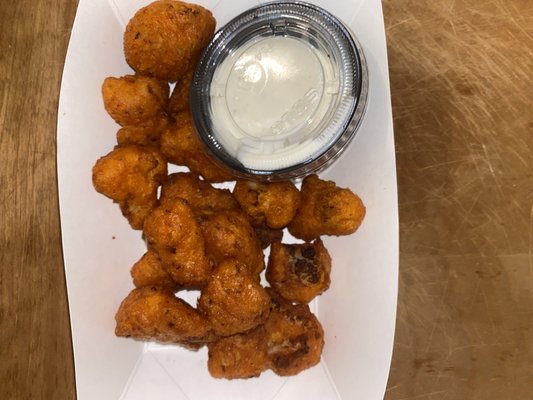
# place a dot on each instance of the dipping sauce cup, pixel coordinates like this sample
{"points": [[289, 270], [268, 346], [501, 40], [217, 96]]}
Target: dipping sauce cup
{"points": [[280, 91]]}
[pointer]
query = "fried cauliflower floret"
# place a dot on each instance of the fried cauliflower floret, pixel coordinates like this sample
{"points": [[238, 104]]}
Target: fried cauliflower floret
{"points": [[148, 271], [172, 232], [326, 209], [130, 176], [240, 356], [228, 234], [181, 145], [179, 99], [134, 99], [272, 203], [200, 195], [154, 313], [145, 134], [295, 337], [166, 38], [233, 301], [299, 272], [226, 230]]}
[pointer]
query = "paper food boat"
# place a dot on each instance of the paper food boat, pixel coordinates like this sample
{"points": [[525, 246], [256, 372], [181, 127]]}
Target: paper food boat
{"points": [[358, 311]]}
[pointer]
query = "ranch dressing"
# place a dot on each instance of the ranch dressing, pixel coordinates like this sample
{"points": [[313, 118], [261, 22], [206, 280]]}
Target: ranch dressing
{"points": [[269, 98]]}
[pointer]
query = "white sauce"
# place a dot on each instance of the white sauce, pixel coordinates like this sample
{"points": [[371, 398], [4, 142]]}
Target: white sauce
{"points": [[268, 99]]}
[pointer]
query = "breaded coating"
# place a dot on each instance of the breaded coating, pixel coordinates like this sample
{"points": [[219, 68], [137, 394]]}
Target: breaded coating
{"points": [[272, 203], [148, 271], [181, 145], [267, 235], [233, 301], [295, 337], [134, 99], [182, 118], [154, 313], [166, 38], [241, 356], [200, 195], [228, 234], [179, 99], [299, 272], [145, 134], [130, 176], [326, 209], [172, 232]]}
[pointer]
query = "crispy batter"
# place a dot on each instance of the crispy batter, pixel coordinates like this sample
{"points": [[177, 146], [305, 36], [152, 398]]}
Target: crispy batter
{"points": [[154, 313], [228, 234], [267, 235], [166, 38], [130, 176], [200, 195], [226, 230], [145, 134], [172, 232], [179, 99], [299, 272], [243, 355], [326, 209], [148, 271], [181, 145], [181, 119], [134, 99], [272, 203], [295, 337], [233, 301]]}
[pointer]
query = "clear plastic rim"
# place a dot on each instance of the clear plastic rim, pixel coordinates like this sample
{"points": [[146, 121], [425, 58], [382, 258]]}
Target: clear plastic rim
{"points": [[237, 32]]}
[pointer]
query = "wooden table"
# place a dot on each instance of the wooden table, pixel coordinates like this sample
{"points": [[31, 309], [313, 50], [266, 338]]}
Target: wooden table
{"points": [[461, 78]]}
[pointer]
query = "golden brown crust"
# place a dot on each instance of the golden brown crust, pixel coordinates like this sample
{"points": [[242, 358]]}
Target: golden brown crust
{"points": [[166, 38], [179, 99], [147, 133], [233, 301], [130, 176], [154, 313], [299, 272], [148, 271], [273, 204], [200, 195], [240, 356], [326, 209], [132, 100], [295, 337], [228, 234], [172, 232], [181, 145]]}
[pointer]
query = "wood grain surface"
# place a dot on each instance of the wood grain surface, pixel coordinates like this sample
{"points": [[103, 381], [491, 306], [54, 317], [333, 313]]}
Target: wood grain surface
{"points": [[462, 90], [461, 79], [35, 347]]}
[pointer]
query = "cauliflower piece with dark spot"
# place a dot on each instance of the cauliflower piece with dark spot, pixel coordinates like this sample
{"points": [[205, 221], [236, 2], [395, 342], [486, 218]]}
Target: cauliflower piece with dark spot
{"points": [[299, 272]]}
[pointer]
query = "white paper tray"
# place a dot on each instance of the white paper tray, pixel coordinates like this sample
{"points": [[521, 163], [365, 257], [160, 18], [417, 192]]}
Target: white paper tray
{"points": [[358, 311]]}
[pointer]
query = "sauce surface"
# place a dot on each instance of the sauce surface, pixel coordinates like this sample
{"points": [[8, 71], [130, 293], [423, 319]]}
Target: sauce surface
{"points": [[268, 98]]}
